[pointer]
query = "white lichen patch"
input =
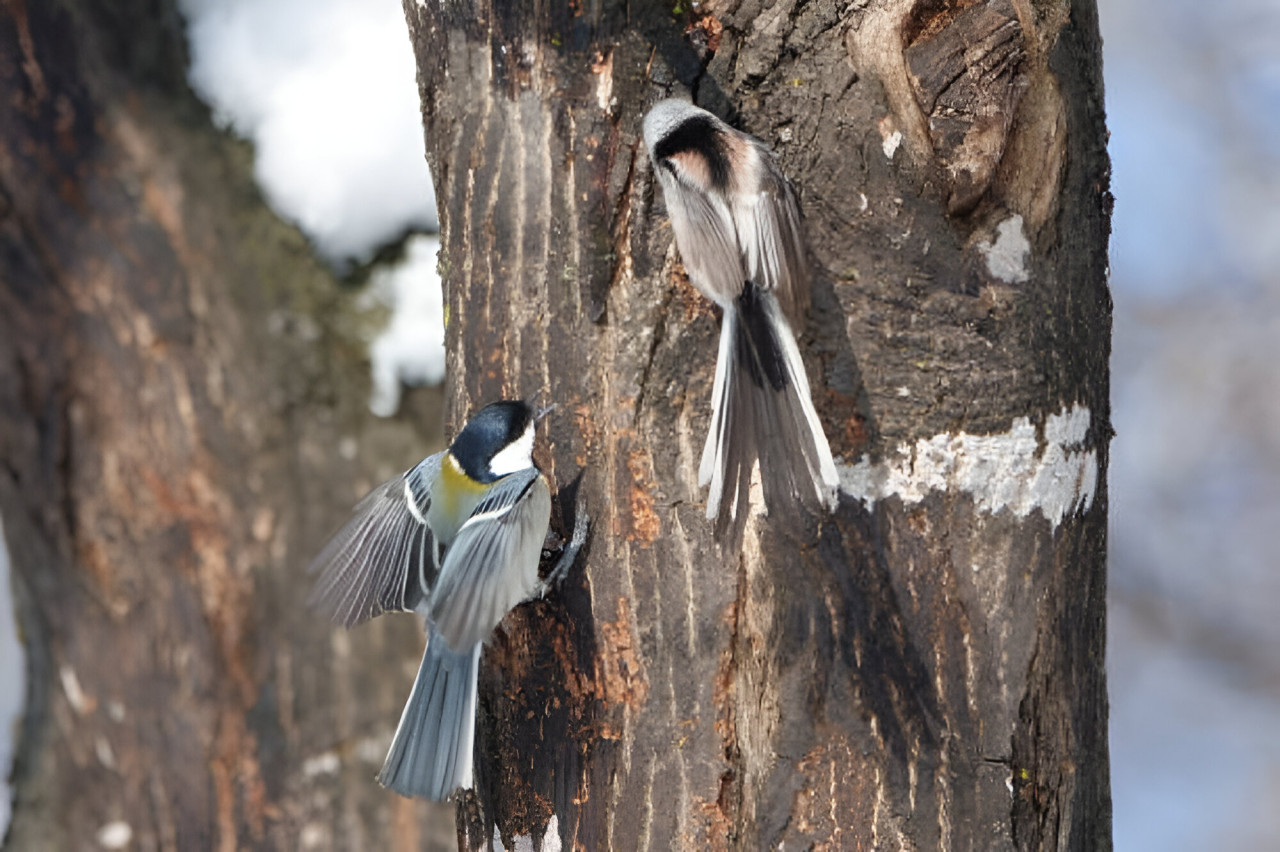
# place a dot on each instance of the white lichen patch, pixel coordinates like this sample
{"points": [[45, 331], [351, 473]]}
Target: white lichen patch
{"points": [[71, 687], [372, 750], [314, 835], [890, 144], [1007, 256], [104, 753], [1010, 470], [603, 70], [890, 136]]}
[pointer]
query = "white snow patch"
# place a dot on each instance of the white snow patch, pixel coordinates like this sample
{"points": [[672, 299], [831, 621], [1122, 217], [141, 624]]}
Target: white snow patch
{"points": [[524, 842], [1004, 471], [327, 91], [326, 763], [13, 686], [115, 835], [551, 835], [1007, 257], [891, 143], [410, 350]]}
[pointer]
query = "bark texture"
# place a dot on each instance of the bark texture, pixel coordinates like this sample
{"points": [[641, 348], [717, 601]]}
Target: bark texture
{"points": [[182, 421], [925, 668]]}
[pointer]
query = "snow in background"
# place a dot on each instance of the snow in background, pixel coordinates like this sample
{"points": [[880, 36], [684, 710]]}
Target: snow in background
{"points": [[326, 91], [1193, 103], [13, 677], [411, 349]]}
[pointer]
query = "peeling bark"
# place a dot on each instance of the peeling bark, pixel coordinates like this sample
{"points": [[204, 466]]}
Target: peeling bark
{"points": [[920, 670]]}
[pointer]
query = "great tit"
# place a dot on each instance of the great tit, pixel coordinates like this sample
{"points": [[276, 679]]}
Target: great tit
{"points": [[457, 539], [737, 225]]}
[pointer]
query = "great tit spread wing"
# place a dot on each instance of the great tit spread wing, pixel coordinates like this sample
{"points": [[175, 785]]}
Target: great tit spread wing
{"points": [[492, 564], [384, 557]]}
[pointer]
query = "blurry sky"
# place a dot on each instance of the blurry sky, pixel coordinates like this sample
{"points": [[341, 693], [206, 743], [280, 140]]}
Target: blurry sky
{"points": [[1193, 102], [1193, 98]]}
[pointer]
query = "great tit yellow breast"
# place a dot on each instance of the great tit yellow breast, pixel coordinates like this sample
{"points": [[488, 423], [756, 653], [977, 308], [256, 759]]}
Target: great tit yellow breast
{"points": [[453, 499]]}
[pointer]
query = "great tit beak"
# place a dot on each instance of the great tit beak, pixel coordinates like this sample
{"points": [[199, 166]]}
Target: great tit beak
{"points": [[539, 413]]}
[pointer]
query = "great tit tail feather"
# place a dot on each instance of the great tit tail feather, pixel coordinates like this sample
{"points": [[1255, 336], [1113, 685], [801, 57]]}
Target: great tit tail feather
{"points": [[431, 752]]}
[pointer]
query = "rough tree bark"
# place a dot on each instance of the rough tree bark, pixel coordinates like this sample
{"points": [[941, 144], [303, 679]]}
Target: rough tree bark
{"points": [[924, 669], [182, 421]]}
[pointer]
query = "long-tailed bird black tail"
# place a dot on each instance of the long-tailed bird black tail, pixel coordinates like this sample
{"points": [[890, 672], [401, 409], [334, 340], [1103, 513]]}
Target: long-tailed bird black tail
{"points": [[762, 389]]}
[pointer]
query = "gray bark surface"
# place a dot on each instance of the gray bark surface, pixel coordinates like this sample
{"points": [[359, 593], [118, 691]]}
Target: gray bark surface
{"points": [[914, 674]]}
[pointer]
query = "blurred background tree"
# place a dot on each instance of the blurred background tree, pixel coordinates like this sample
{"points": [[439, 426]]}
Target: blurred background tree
{"points": [[182, 421]]}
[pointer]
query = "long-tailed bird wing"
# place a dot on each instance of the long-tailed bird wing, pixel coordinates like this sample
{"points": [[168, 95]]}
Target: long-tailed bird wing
{"points": [[706, 234], [771, 237]]}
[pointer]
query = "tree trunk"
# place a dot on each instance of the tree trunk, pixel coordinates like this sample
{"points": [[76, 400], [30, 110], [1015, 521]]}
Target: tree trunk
{"points": [[182, 422], [924, 668]]}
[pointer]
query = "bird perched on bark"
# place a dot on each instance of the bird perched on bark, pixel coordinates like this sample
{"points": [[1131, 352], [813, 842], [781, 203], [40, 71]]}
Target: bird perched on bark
{"points": [[738, 228], [456, 539]]}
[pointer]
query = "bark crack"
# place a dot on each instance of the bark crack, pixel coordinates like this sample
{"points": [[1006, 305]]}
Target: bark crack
{"points": [[661, 316]]}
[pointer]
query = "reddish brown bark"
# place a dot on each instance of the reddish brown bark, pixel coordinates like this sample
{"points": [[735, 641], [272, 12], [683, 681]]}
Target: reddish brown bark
{"points": [[178, 379]]}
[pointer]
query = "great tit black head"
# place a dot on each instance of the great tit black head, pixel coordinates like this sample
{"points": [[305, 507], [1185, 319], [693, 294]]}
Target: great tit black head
{"points": [[497, 441]]}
